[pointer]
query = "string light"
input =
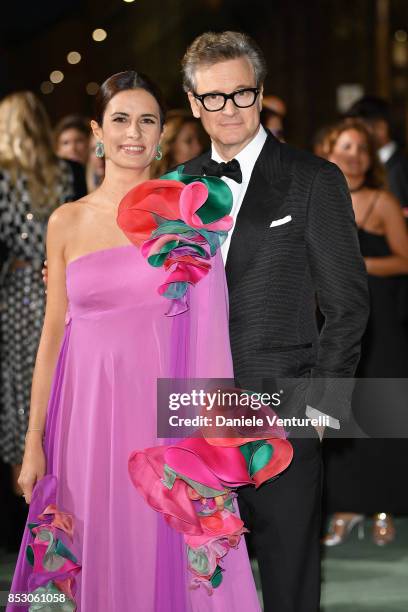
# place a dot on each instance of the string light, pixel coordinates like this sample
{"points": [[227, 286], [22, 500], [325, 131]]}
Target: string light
{"points": [[56, 76], [46, 87], [74, 57], [99, 35], [401, 36], [92, 88]]}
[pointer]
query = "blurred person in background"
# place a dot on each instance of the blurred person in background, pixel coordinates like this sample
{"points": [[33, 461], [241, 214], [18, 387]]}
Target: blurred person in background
{"points": [[376, 114], [272, 121], [319, 142], [276, 104], [33, 182], [362, 476], [182, 140], [72, 138], [75, 141], [273, 114]]}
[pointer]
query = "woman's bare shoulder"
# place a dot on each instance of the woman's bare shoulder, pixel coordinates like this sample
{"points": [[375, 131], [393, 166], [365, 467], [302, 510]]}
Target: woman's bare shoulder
{"points": [[68, 213], [65, 221], [387, 203]]}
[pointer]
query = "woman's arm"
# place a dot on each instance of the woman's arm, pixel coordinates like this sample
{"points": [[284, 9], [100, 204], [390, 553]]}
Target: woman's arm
{"points": [[34, 467], [395, 232]]}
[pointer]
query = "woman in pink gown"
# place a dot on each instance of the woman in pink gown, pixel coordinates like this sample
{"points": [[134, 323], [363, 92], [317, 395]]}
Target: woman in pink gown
{"points": [[91, 542]]}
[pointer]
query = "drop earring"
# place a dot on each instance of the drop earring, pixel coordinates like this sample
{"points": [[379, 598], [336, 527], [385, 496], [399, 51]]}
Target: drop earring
{"points": [[159, 154], [99, 149]]}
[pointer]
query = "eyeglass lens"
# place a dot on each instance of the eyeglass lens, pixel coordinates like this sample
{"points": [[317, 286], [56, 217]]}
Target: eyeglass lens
{"points": [[242, 99]]}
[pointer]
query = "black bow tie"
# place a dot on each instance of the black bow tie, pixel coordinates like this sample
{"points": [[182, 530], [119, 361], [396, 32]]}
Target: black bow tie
{"points": [[231, 169]]}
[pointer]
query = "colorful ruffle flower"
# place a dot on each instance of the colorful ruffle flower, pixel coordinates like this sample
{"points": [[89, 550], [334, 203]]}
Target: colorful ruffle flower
{"points": [[178, 221], [54, 565], [182, 482]]}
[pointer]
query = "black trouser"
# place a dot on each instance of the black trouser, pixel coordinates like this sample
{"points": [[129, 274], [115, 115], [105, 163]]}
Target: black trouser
{"points": [[284, 520]]}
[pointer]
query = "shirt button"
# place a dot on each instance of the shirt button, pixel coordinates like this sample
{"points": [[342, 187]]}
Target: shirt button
{"points": [[24, 235], [29, 216]]}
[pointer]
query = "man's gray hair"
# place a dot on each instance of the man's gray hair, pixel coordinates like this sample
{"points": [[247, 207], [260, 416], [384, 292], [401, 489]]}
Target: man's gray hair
{"points": [[213, 47]]}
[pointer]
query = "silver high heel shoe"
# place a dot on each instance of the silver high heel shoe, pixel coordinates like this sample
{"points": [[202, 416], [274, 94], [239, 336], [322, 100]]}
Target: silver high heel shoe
{"points": [[340, 529]]}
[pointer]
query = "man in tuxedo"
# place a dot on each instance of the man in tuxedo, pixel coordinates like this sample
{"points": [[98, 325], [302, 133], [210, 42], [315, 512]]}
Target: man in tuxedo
{"points": [[376, 114], [294, 241]]}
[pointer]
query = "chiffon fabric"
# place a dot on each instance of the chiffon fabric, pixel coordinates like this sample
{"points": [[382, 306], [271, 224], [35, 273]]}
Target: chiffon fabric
{"points": [[102, 543]]}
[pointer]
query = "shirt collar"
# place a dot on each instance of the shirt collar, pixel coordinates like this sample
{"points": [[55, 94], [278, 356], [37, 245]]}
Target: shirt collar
{"points": [[248, 156], [387, 151]]}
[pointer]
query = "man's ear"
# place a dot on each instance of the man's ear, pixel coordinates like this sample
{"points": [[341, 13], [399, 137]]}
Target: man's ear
{"points": [[96, 129], [195, 109]]}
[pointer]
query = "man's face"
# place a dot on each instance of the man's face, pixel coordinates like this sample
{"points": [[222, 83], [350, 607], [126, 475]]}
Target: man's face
{"points": [[230, 128], [380, 130]]}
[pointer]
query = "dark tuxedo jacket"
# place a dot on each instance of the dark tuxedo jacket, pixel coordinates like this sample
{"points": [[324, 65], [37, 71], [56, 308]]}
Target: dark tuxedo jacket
{"points": [[277, 274], [397, 174]]}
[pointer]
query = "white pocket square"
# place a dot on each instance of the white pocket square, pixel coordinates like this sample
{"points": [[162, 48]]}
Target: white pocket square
{"points": [[281, 221]]}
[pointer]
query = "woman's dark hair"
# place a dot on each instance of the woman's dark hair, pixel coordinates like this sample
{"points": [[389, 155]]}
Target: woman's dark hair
{"points": [[370, 108], [123, 81]]}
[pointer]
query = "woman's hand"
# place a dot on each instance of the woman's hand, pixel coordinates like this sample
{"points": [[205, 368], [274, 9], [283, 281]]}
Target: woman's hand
{"points": [[368, 264], [34, 466]]}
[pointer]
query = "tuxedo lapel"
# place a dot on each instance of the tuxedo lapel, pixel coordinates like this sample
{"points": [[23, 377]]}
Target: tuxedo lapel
{"points": [[264, 197], [195, 166]]}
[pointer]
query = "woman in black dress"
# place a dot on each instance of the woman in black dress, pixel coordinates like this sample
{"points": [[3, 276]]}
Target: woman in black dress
{"points": [[362, 476], [33, 182]]}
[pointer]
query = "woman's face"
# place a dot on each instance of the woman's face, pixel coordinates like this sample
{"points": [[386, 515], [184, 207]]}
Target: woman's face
{"points": [[187, 144], [131, 129], [73, 145], [351, 154]]}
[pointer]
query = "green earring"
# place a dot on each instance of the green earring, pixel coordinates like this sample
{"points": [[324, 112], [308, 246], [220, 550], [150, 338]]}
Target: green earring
{"points": [[99, 149], [159, 154]]}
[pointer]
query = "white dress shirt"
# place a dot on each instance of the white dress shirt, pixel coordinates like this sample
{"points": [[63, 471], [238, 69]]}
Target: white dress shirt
{"points": [[247, 159]]}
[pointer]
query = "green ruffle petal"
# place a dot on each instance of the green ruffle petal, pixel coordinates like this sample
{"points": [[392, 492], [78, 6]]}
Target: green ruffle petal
{"points": [[229, 504], [170, 476], [257, 455], [216, 578], [159, 258], [214, 239], [198, 560], [175, 290], [63, 551], [54, 606], [219, 201], [30, 554], [32, 526]]}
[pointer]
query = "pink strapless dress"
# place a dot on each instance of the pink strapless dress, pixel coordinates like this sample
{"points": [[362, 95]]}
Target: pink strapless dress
{"points": [[117, 342]]}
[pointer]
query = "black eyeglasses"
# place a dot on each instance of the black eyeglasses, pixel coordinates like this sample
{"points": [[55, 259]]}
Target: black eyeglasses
{"points": [[243, 98]]}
